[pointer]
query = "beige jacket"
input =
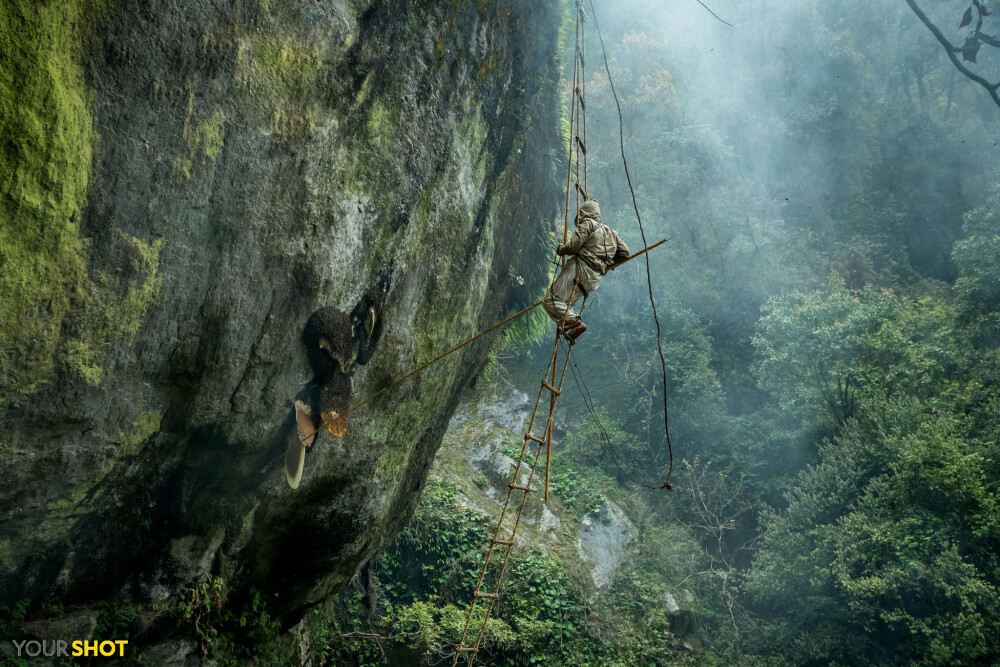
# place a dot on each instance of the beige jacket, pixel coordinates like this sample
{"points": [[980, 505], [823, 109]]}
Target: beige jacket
{"points": [[595, 243]]}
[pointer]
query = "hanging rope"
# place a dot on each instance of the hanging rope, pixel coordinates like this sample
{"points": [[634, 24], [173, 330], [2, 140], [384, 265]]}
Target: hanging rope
{"points": [[642, 231], [707, 8], [619, 461]]}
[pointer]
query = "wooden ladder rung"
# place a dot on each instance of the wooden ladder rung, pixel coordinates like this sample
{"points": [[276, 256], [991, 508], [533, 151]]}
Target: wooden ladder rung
{"points": [[506, 543], [530, 436], [583, 146], [550, 388], [491, 596], [582, 191], [519, 487], [466, 649]]}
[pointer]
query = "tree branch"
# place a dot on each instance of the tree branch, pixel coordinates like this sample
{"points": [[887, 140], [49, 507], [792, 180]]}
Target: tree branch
{"points": [[951, 50], [987, 39]]}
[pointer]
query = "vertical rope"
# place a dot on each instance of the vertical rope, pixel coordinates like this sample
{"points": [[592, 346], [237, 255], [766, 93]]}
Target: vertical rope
{"points": [[649, 279], [576, 138], [572, 134], [582, 57]]}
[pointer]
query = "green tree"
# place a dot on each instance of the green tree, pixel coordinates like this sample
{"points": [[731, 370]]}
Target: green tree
{"points": [[978, 259], [886, 551], [820, 352]]}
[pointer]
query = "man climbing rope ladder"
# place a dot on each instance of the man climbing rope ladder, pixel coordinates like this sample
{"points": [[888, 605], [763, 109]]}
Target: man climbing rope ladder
{"points": [[593, 248]]}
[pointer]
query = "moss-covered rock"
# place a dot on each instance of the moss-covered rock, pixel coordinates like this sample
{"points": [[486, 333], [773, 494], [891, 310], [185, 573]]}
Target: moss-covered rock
{"points": [[257, 161], [45, 155]]}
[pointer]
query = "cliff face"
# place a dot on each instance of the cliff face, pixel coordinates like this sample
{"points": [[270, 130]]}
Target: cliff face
{"points": [[184, 183]]}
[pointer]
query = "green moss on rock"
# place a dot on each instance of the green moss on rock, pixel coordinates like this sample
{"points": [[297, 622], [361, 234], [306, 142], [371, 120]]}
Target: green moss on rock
{"points": [[204, 139], [144, 427], [45, 160], [383, 123], [110, 314], [287, 71]]}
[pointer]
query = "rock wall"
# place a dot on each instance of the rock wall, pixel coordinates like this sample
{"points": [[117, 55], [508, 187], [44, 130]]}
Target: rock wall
{"points": [[184, 183]]}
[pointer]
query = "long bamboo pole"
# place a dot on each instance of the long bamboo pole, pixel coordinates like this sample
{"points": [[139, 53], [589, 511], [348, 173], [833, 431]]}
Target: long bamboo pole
{"points": [[520, 313]]}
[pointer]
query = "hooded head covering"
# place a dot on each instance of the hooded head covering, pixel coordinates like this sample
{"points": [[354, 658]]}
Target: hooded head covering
{"points": [[589, 209]]}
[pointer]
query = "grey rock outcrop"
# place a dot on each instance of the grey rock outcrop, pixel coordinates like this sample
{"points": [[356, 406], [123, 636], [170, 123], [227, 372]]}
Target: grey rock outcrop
{"points": [[603, 539]]}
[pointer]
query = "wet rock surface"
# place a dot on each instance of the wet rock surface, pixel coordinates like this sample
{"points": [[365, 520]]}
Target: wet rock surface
{"points": [[256, 162]]}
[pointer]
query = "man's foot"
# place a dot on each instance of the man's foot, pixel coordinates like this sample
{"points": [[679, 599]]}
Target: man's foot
{"points": [[573, 333], [567, 325]]}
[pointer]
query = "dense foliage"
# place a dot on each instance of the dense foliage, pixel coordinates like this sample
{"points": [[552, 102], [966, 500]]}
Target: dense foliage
{"points": [[547, 616]]}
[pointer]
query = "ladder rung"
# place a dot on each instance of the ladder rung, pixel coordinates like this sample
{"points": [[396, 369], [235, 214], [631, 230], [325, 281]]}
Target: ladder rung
{"points": [[582, 191], [530, 436], [506, 543], [583, 146], [519, 487], [491, 596], [583, 102], [466, 649], [550, 388]]}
